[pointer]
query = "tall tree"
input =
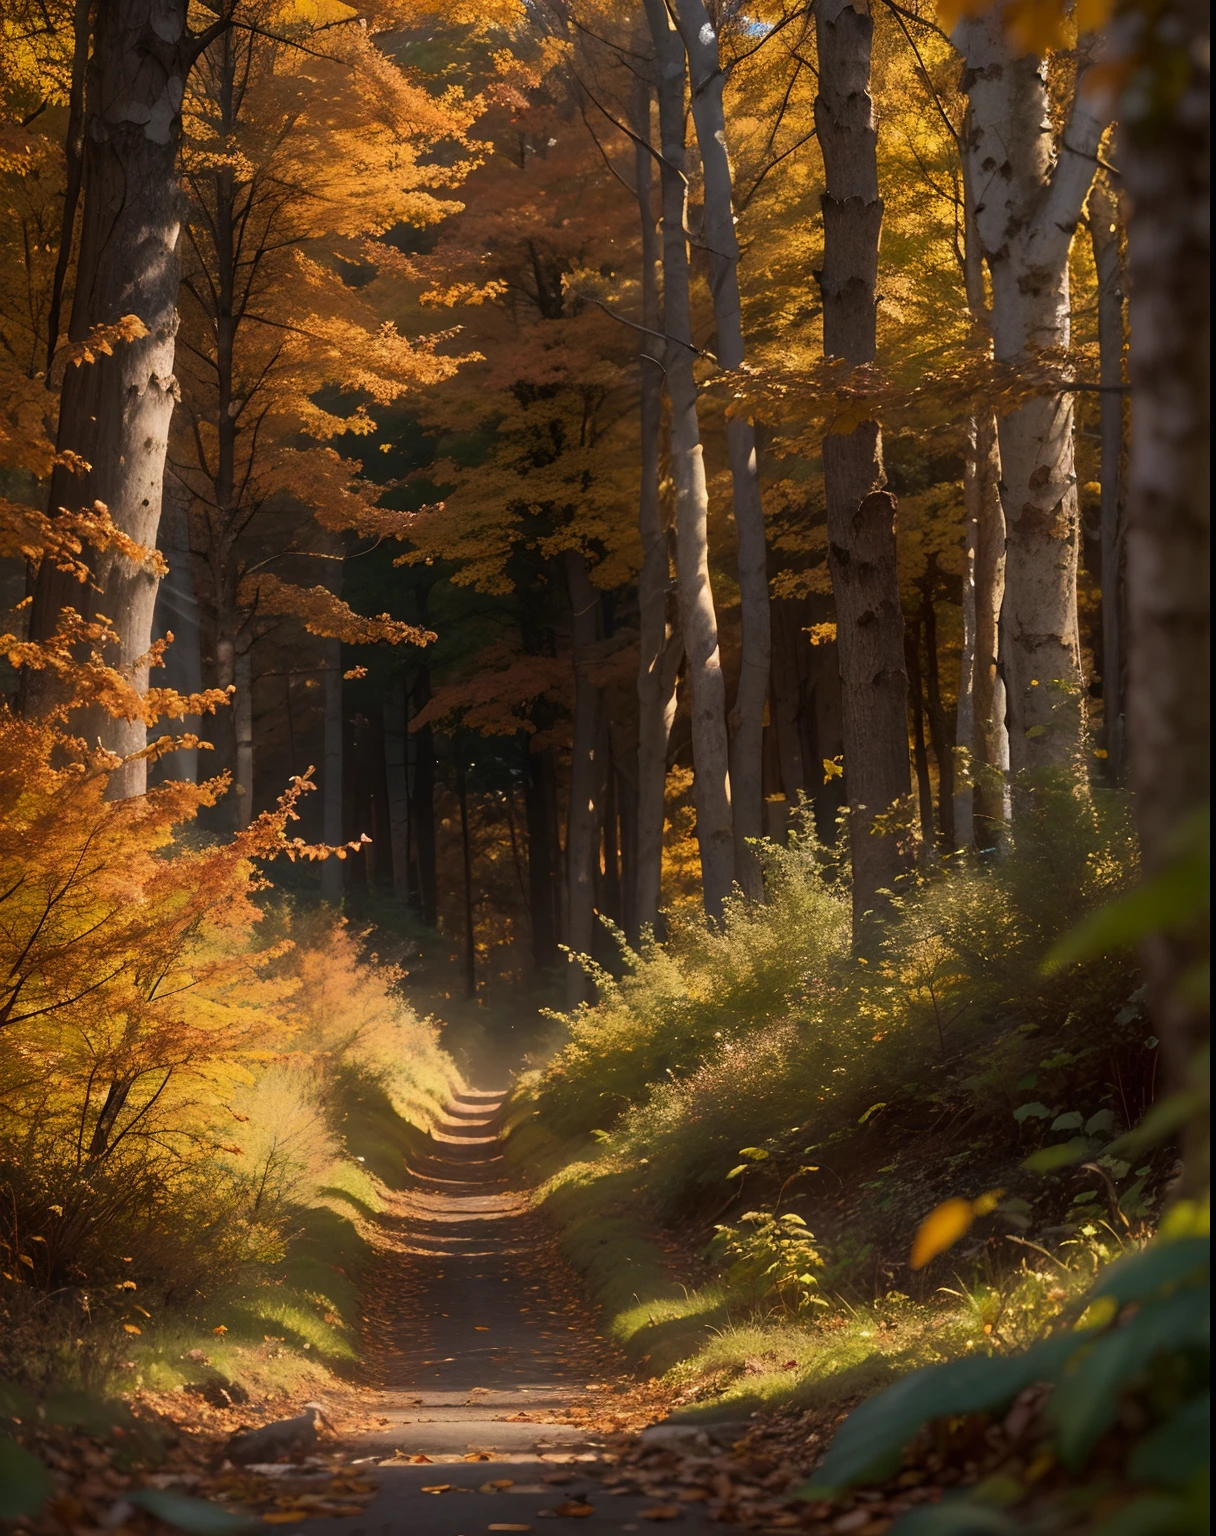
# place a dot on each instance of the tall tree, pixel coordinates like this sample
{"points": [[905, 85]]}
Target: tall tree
{"points": [[274, 106], [860, 510], [660, 648], [698, 618], [707, 78], [114, 415], [1028, 184], [1104, 235], [1166, 163]]}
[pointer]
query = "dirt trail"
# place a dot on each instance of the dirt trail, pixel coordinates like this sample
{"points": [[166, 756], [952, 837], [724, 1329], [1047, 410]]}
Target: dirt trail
{"points": [[479, 1342]]}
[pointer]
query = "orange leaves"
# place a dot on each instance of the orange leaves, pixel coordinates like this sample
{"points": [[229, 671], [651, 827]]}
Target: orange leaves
{"points": [[323, 613], [102, 339], [496, 699], [32, 535]]}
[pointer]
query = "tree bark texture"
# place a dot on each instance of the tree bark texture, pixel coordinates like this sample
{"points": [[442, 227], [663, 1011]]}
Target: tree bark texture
{"points": [[1028, 190], [706, 81], [1165, 155], [588, 776], [860, 512], [114, 413], [698, 619], [1108, 263], [659, 646]]}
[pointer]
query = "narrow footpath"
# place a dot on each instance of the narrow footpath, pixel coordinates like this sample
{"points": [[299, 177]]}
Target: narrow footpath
{"points": [[492, 1389]]}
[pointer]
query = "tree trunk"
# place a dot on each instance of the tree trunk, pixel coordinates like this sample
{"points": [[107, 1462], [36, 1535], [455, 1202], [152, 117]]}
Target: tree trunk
{"points": [[466, 858], [331, 771], [920, 755], [964, 808], [114, 413], [242, 711], [1108, 262], [990, 798], [787, 701], [988, 741], [588, 777], [422, 806], [1028, 192], [939, 726], [397, 788], [177, 613], [1165, 159], [706, 79], [698, 620], [659, 647], [860, 512], [542, 864]]}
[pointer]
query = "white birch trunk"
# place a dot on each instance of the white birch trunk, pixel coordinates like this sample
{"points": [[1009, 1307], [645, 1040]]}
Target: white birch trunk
{"points": [[1028, 191], [698, 619], [706, 80]]}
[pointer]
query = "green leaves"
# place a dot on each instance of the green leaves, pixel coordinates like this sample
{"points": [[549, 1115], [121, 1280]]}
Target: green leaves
{"points": [[1091, 1370], [1176, 899], [1086, 1403], [869, 1444]]}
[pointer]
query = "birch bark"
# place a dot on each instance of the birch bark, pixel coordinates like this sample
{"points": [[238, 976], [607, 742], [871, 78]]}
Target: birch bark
{"points": [[860, 511], [706, 81], [114, 413], [698, 619], [1028, 189]]}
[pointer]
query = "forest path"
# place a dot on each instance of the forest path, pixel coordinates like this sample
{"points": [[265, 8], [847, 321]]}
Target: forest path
{"points": [[479, 1341]]}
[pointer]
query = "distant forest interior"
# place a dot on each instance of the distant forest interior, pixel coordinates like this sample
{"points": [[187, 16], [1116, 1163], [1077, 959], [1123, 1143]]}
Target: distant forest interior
{"points": [[638, 569]]}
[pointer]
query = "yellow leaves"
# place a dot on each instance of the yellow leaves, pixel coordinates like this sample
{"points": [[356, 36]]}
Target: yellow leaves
{"points": [[833, 768], [131, 1328], [822, 634], [946, 1223], [1035, 26]]}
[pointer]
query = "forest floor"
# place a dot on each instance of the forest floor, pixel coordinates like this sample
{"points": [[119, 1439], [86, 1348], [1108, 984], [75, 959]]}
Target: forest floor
{"points": [[495, 1405]]}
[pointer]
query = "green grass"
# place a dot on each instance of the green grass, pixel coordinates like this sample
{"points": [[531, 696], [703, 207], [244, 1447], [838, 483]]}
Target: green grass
{"points": [[724, 1357]]}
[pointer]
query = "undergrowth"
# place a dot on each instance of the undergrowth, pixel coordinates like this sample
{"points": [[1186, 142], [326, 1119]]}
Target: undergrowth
{"points": [[234, 1230], [740, 1138]]}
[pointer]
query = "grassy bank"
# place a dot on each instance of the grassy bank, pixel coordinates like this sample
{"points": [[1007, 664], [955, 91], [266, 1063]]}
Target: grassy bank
{"points": [[741, 1138]]}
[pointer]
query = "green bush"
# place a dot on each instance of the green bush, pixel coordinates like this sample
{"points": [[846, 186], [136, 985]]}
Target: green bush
{"points": [[769, 1034]]}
